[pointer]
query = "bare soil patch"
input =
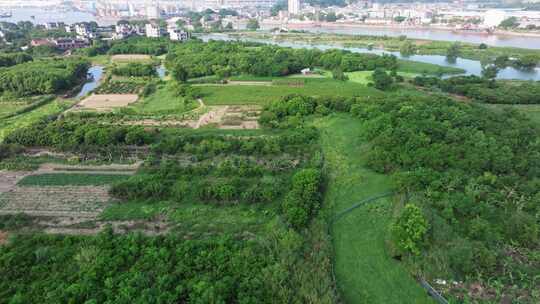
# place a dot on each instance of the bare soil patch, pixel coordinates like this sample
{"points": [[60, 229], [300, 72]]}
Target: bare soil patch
{"points": [[106, 102], [3, 237], [130, 57], [9, 179]]}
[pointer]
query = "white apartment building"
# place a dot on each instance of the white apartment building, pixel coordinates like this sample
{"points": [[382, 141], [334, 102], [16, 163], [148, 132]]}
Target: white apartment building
{"points": [[294, 7], [152, 30], [178, 35]]}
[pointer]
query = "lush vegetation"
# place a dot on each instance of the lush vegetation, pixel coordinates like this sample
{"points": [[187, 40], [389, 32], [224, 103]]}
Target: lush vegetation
{"points": [[197, 59], [473, 174], [10, 59], [134, 69], [26, 119], [170, 269], [77, 134], [485, 90], [140, 45], [42, 77], [364, 269]]}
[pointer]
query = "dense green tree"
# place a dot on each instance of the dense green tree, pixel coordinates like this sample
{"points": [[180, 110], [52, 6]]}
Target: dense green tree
{"points": [[510, 22], [381, 79], [409, 229]]}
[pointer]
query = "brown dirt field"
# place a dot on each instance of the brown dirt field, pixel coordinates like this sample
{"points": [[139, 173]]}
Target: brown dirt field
{"points": [[131, 57], [107, 101]]}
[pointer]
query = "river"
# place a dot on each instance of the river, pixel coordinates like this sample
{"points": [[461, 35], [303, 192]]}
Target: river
{"points": [[436, 34], [470, 66], [44, 16], [95, 73]]}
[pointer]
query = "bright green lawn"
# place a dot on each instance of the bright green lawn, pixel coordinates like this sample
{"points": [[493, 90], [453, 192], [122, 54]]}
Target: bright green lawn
{"points": [[243, 94], [365, 272], [9, 125], [163, 101]]}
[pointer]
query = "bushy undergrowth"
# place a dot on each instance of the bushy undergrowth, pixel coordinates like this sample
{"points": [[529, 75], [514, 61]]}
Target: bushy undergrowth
{"points": [[140, 45], [170, 269], [42, 77], [484, 90], [197, 59], [475, 175], [134, 69], [77, 133]]}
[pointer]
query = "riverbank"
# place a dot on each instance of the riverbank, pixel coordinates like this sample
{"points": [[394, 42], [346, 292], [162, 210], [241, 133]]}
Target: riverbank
{"points": [[393, 44]]}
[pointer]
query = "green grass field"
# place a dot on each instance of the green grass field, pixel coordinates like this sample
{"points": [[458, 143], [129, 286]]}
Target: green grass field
{"points": [[163, 101], [9, 125], [244, 94], [365, 272], [71, 179]]}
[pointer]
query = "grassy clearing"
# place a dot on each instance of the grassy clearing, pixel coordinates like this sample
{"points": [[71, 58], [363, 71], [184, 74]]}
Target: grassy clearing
{"points": [[364, 270], [243, 94], [163, 101], [70, 179], [20, 121], [364, 77]]}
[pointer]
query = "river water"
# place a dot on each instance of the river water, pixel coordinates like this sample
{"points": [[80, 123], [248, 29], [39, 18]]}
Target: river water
{"points": [[95, 73], [470, 66], [43, 16], [435, 34]]}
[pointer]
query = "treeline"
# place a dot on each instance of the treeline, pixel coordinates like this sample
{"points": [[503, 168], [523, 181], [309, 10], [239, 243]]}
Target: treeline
{"points": [[140, 45], [474, 174], [42, 77], [76, 134], [134, 69], [198, 59], [7, 60], [485, 90]]}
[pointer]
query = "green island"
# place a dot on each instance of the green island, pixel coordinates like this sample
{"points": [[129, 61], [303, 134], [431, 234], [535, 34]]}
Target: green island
{"points": [[503, 56], [253, 173]]}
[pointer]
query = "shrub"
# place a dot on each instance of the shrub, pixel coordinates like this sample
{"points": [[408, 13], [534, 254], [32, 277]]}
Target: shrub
{"points": [[303, 201], [409, 229]]}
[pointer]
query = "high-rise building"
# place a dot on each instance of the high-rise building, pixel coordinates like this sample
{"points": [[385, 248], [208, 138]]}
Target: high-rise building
{"points": [[294, 7]]}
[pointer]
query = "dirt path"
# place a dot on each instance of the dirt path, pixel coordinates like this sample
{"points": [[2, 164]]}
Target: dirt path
{"points": [[236, 83]]}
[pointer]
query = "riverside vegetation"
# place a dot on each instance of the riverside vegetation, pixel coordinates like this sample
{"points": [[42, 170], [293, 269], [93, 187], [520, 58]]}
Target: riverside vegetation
{"points": [[249, 216]]}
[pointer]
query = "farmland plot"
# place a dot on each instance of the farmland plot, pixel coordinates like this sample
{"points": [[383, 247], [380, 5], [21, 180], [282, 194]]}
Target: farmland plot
{"points": [[81, 201]]}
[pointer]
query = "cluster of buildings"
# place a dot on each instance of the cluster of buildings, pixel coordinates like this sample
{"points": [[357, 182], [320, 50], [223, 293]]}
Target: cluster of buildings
{"points": [[84, 33], [455, 15]]}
